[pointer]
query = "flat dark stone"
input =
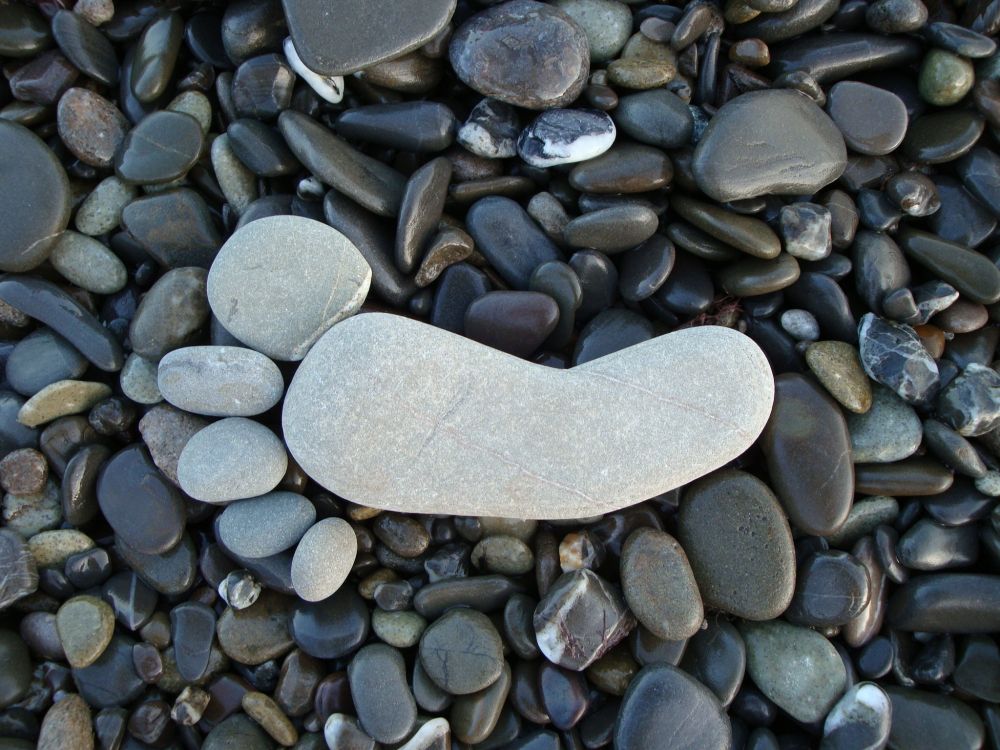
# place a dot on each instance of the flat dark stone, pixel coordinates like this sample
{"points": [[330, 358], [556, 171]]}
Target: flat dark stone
{"points": [[872, 120], [261, 148], [831, 589], [598, 277], [961, 218], [484, 593], [655, 697], [803, 16], [825, 299], [262, 87], [48, 304], [112, 679], [155, 57], [383, 700], [510, 239], [657, 117], [971, 273], [332, 628], [175, 227], [23, 31], [808, 452], [459, 286], [422, 205], [717, 658], [86, 47], [611, 331], [40, 359], [923, 720], [943, 135], [514, 322], [34, 198], [141, 505], [912, 477], [409, 126], [161, 148], [171, 313], [833, 57], [132, 600], [79, 483], [338, 38], [192, 630]]}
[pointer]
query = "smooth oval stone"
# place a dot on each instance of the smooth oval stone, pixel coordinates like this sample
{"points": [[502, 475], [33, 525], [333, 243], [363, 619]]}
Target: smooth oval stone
{"points": [[872, 120], [86, 47], [745, 233], [947, 603], [648, 715], [374, 185], [175, 227], [734, 573], [323, 559], [333, 627], [755, 276], [310, 273], [423, 203], [91, 127], [659, 586], [385, 705], [512, 322], [808, 452], [509, 239], [359, 34], [837, 366], [170, 573], [61, 399], [352, 469], [23, 31], [161, 148], [67, 724], [609, 332], [40, 359], [237, 730], [504, 52], [34, 198], [829, 58], [942, 136], [736, 154], [265, 525], [795, 667], [565, 136], [716, 657], [657, 117], [625, 168], [85, 625], [219, 381], [483, 593], [88, 264], [611, 230], [155, 56], [462, 652], [832, 589], [257, 633], [231, 459], [889, 431], [922, 720], [112, 679], [646, 268], [171, 313], [474, 717], [145, 510], [261, 148], [410, 126], [971, 273], [930, 546], [192, 630]]}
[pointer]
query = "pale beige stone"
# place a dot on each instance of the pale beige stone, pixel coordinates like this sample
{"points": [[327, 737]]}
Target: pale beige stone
{"points": [[392, 413], [61, 399]]}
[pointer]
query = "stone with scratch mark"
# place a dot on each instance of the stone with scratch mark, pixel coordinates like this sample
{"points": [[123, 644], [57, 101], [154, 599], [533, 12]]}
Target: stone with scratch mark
{"points": [[279, 283], [392, 413]]}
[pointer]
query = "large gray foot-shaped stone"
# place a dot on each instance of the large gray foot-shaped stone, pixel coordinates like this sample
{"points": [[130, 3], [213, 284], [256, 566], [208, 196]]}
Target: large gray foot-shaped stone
{"points": [[396, 414]]}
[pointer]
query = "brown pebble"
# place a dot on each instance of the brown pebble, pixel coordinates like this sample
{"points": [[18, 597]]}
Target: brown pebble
{"points": [[262, 709], [932, 338], [66, 726], [90, 126], [23, 472]]}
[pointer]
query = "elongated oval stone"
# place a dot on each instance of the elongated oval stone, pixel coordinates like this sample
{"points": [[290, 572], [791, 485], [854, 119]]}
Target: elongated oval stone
{"points": [[450, 426]]}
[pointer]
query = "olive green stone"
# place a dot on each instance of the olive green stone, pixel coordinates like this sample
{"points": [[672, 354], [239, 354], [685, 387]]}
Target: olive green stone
{"points": [[503, 554], [473, 717], [837, 366], [399, 629], [86, 625], [753, 276], [945, 78], [745, 233], [262, 709]]}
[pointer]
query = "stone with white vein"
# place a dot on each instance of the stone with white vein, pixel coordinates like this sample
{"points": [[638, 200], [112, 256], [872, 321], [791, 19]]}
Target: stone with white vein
{"points": [[330, 88]]}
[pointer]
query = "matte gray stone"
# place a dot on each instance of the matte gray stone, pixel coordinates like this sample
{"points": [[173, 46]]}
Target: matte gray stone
{"points": [[446, 414], [220, 381], [231, 459], [889, 431], [266, 525], [279, 283], [323, 559]]}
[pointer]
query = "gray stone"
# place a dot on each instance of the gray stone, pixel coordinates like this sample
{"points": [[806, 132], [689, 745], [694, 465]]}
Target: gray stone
{"points": [[101, 210], [607, 24], [220, 381], [739, 155], [447, 414], [87, 263], [462, 652], [323, 559], [280, 283], [138, 380], [889, 431], [231, 459], [266, 525], [42, 358], [795, 667]]}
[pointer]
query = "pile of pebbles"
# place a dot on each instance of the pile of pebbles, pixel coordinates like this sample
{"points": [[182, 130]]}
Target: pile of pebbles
{"points": [[558, 181]]}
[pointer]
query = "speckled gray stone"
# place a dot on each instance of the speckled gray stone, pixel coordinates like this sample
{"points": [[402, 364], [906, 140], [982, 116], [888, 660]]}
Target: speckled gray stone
{"points": [[87, 263], [220, 381], [265, 525], [101, 210], [889, 431], [231, 459], [280, 282], [445, 414], [323, 559], [138, 380]]}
